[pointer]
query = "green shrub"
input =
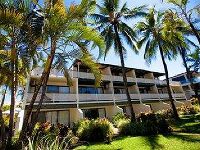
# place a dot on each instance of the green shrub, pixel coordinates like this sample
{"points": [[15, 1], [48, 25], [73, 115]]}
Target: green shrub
{"points": [[188, 110], [149, 124], [94, 130], [117, 117]]}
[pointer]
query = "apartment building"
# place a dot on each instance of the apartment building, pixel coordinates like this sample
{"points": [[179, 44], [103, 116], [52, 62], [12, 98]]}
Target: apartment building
{"points": [[67, 104], [186, 84]]}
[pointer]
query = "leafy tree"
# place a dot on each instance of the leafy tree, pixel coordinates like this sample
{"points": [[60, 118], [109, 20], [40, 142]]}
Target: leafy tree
{"points": [[188, 15], [110, 21], [14, 58], [193, 61], [63, 26], [155, 36]]}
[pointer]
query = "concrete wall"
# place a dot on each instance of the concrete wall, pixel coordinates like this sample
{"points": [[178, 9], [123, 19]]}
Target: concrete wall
{"points": [[149, 76], [133, 89], [139, 108], [159, 106], [75, 115], [112, 110]]}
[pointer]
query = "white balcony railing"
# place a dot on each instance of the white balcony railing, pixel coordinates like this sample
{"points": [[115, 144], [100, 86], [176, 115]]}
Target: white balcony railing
{"points": [[95, 97], [164, 96], [179, 95], [38, 72], [144, 80], [120, 78], [174, 95], [150, 96], [86, 75], [160, 82], [54, 97], [122, 97]]}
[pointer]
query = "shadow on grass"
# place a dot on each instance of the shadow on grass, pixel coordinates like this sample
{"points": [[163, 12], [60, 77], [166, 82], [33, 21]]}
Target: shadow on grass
{"points": [[153, 142], [188, 124], [185, 137]]}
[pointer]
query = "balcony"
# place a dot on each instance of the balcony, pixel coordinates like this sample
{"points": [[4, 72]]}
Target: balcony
{"points": [[38, 72], [86, 75], [164, 96], [160, 82], [123, 97], [54, 98], [174, 95], [179, 96], [149, 96], [144, 80], [120, 78], [94, 98]]}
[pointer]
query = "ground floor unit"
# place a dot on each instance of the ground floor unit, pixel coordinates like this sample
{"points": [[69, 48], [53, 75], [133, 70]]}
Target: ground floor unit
{"points": [[67, 114]]}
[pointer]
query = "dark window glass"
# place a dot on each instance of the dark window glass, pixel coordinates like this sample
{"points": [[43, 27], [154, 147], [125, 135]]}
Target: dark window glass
{"points": [[119, 91], [52, 89], [90, 90], [64, 89]]}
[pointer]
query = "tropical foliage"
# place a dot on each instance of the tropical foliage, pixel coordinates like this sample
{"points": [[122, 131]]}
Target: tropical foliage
{"points": [[52, 35], [111, 22]]}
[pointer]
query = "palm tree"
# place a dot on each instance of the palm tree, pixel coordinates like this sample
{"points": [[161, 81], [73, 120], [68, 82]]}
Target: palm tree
{"points": [[181, 39], [16, 60], [188, 15], [193, 61], [63, 27], [111, 23], [154, 38]]}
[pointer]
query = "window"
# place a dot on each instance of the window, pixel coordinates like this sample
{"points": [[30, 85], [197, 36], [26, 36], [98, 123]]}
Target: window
{"points": [[55, 117], [57, 89], [90, 90], [119, 91], [94, 113], [64, 89], [52, 89]]}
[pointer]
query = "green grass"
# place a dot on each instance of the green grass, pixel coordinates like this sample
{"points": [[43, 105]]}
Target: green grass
{"points": [[175, 141], [189, 124]]}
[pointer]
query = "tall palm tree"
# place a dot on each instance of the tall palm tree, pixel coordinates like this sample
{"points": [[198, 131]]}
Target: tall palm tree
{"points": [[182, 40], [62, 27], [16, 64], [188, 15], [154, 38], [193, 61], [110, 20]]}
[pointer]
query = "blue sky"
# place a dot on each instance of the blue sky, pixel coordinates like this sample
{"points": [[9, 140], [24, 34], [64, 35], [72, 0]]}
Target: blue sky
{"points": [[137, 61]]}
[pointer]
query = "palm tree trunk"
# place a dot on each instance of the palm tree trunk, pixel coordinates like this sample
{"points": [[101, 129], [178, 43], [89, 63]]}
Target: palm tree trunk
{"points": [[3, 134], [124, 74], [168, 86], [13, 88], [194, 30], [3, 97], [53, 48], [36, 91]]}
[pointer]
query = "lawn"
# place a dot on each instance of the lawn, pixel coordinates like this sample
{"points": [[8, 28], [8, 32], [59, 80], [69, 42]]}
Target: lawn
{"points": [[189, 124], [175, 141], [189, 140]]}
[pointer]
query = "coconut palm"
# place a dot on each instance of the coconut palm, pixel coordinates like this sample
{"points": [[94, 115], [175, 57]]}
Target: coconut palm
{"points": [[15, 60], [193, 61], [111, 22], [63, 26], [181, 39], [155, 39], [188, 15]]}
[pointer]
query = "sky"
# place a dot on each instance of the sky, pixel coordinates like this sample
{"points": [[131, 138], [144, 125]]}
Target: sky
{"points": [[137, 61]]}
